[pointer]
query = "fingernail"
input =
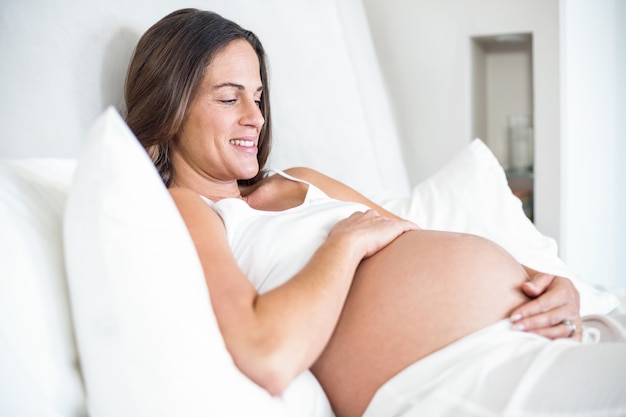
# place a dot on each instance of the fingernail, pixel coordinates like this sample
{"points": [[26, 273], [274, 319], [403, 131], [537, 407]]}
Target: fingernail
{"points": [[520, 327], [516, 317]]}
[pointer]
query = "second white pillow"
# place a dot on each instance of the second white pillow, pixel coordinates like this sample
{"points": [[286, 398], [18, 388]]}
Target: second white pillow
{"points": [[470, 194]]}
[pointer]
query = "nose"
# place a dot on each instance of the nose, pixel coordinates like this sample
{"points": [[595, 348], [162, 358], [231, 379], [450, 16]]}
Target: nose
{"points": [[252, 115]]}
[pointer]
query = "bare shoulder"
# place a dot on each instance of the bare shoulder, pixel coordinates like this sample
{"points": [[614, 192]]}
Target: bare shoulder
{"points": [[304, 173], [182, 195], [185, 198], [207, 232], [194, 210], [181, 192], [317, 178], [335, 188]]}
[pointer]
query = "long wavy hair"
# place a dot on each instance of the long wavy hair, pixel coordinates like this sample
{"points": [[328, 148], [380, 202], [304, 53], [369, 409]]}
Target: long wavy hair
{"points": [[164, 75]]}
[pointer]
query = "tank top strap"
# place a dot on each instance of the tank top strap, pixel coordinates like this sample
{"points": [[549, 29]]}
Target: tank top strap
{"points": [[289, 177], [313, 192]]}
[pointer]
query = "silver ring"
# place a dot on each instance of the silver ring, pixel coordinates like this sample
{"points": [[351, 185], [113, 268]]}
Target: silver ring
{"points": [[572, 327]]}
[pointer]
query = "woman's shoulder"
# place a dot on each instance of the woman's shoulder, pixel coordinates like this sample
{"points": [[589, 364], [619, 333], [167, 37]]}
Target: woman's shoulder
{"points": [[191, 204], [312, 176], [328, 185], [304, 173], [184, 195]]}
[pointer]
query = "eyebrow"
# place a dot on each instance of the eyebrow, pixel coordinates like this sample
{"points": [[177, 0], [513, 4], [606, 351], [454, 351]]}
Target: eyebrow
{"points": [[233, 85]]}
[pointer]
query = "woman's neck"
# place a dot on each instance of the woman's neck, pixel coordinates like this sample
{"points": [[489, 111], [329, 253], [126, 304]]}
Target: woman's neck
{"points": [[212, 189]]}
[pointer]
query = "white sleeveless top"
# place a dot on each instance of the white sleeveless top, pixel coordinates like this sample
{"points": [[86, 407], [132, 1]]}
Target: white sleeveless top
{"points": [[272, 246]]}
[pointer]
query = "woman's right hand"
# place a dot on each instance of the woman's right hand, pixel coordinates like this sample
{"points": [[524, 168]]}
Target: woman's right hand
{"points": [[371, 231]]}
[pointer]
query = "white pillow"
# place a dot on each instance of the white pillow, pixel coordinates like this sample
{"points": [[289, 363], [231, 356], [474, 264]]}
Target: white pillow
{"points": [[38, 361], [471, 194], [148, 341]]}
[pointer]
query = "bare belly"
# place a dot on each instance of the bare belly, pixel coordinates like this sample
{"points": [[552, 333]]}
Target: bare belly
{"points": [[419, 294]]}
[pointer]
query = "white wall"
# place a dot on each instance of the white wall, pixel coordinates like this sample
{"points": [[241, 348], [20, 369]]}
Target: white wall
{"points": [[621, 132], [425, 51], [594, 133]]}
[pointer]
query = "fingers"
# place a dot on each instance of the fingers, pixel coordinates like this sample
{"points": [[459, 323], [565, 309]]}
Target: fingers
{"points": [[551, 323], [545, 314], [568, 328], [372, 219], [538, 284], [560, 293], [370, 231]]}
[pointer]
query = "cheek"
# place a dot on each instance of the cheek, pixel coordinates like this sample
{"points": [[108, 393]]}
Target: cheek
{"points": [[200, 130], [213, 124]]}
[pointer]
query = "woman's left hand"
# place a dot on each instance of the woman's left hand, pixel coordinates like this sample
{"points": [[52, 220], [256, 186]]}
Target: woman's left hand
{"points": [[553, 312]]}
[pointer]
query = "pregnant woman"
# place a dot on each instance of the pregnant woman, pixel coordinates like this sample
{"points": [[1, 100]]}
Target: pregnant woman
{"points": [[304, 272]]}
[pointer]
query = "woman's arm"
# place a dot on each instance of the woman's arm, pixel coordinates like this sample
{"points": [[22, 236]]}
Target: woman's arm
{"points": [[275, 336]]}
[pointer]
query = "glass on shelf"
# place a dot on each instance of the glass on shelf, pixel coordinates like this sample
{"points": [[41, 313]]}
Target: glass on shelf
{"points": [[521, 154]]}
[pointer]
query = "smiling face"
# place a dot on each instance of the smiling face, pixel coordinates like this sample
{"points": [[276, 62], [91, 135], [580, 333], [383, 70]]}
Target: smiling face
{"points": [[219, 136]]}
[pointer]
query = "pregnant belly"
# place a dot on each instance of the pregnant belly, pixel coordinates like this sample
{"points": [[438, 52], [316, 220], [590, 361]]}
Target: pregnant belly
{"points": [[419, 294]]}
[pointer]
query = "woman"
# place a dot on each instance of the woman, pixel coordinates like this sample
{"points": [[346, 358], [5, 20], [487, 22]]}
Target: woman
{"points": [[345, 288]]}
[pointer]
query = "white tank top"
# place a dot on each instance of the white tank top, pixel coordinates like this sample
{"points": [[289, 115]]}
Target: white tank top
{"points": [[272, 246]]}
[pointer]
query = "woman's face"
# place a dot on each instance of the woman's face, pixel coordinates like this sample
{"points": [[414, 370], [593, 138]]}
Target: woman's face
{"points": [[219, 136]]}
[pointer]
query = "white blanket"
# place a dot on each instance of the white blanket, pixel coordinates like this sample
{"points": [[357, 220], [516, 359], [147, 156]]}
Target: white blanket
{"points": [[500, 372]]}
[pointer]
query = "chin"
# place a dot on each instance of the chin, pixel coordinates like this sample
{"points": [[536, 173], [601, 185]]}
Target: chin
{"points": [[250, 173]]}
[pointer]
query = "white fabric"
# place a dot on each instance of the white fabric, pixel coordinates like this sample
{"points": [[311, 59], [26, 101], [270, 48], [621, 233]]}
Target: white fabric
{"points": [[38, 362], [470, 194], [148, 340], [499, 372], [288, 238]]}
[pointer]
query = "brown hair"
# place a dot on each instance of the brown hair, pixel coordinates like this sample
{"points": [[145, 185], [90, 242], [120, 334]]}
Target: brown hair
{"points": [[165, 73]]}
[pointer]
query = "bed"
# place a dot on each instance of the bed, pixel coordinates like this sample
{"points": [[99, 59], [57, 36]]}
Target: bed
{"points": [[87, 227]]}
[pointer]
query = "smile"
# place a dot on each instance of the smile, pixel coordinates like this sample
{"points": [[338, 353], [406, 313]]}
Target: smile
{"points": [[241, 142]]}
